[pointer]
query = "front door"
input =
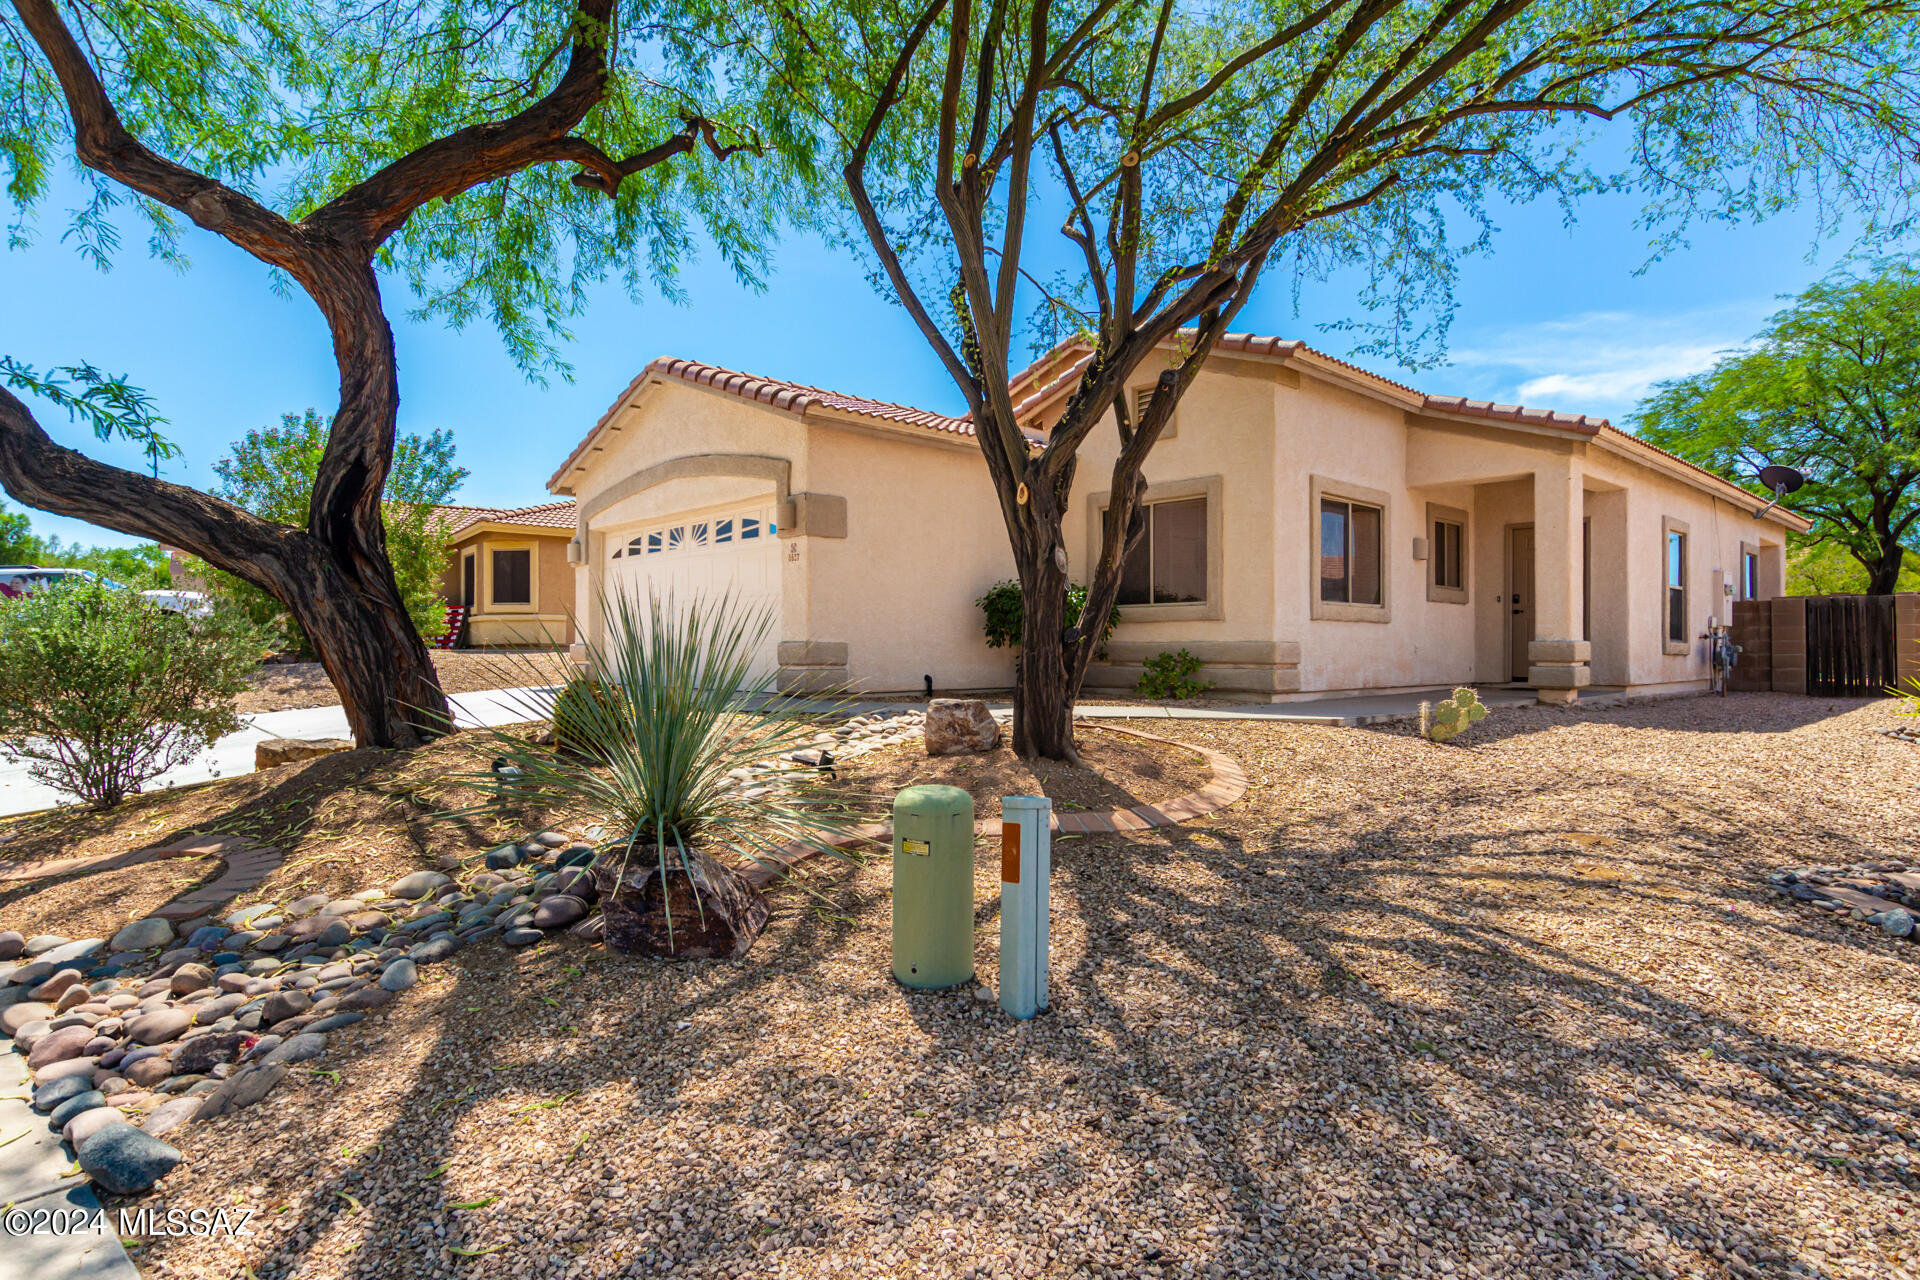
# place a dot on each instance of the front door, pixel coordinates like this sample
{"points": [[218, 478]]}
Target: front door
{"points": [[466, 580], [1520, 595]]}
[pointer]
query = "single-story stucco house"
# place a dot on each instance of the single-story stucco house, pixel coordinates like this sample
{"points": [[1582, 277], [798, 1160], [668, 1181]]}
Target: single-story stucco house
{"points": [[1314, 529], [509, 566]]}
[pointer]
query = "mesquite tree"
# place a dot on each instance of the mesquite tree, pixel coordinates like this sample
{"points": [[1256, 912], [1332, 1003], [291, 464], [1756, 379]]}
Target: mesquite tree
{"points": [[1185, 149], [500, 157]]}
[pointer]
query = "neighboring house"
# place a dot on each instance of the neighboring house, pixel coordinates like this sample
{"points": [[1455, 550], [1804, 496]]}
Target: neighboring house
{"points": [[1313, 529], [510, 566]]}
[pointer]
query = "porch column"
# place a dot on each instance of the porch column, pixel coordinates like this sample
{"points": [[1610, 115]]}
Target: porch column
{"points": [[1558, 659]]}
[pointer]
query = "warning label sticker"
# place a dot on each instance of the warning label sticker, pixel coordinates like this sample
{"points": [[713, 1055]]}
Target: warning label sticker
{"points": [[919, 848]]}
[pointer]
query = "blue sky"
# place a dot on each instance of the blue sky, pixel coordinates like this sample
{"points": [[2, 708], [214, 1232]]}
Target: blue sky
{"points": [[1555, 316]]}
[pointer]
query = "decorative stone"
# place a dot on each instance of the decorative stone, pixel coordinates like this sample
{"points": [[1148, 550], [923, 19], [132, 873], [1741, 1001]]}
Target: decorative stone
{"points": [[68, 952], [188, 978], [960, 726], [558, 911], [307, 1044], [53, 988], [434, 949], [418, 884], [147, 1072], [44, 942], [159, 1026], [504, 858], [274, 752], [143, 935], [58, 1117], [15, 1017], [124, 1160], [399, 975], [58, 1046], [333, 1022], [89, 1122], [171, 1114], [521, 937], [11, 945], [282, 1005], [54, 1092], [242, 1089], [202, 1053], [578, 855]]}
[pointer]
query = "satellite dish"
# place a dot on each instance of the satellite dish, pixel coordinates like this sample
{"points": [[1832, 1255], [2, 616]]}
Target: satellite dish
{"points": [[1783, 481]]}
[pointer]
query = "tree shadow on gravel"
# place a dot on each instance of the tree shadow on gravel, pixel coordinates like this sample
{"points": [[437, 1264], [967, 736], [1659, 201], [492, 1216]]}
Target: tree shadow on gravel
{"points": [[1372, 1043]]}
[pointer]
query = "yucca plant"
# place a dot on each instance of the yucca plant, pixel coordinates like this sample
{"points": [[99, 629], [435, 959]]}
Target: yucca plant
{"points": [[681, 749]]}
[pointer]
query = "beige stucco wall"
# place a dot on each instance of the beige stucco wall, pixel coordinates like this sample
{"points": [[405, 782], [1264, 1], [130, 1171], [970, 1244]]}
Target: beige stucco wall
{"points": [[893, 598], [921, 535], [545, 621]]}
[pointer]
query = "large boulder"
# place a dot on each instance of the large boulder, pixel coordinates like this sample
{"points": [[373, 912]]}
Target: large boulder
{"points": [[278, 751], [960, 727]]}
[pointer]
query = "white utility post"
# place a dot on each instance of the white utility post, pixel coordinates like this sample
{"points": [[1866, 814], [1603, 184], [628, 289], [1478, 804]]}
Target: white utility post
{"points": [[1026, 864]]}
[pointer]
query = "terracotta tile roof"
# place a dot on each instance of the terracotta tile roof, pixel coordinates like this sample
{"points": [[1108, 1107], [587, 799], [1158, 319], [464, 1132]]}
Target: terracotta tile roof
{"points": [[1056, 371], [451, 518]]}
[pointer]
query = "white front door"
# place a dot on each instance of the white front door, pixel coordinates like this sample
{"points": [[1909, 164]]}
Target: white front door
{"points": [[730, 553]]}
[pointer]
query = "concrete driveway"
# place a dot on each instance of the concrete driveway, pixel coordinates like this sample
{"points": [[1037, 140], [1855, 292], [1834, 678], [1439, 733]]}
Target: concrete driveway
{"points": [[233, 754]]}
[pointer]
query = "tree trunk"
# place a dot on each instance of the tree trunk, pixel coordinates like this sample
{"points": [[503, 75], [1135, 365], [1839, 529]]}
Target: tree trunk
{"points": [[348, 605], [1043, 687], [1883, 571]]}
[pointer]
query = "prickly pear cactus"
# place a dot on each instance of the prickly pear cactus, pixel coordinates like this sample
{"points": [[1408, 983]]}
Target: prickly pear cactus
{"points": [[1445, 721]]}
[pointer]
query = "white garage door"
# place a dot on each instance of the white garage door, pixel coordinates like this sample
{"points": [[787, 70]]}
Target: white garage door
{"points": [[734, 553]]}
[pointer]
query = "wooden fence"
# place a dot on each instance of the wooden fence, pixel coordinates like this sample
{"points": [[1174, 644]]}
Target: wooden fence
{"points": [[1830, 646]]}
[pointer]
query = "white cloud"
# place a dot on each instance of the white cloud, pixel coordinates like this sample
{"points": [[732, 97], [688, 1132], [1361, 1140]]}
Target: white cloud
{"points": [[1598, 362]]}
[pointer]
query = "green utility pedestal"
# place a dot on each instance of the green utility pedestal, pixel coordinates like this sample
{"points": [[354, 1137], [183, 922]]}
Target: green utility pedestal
{"points": [[932, 887]]}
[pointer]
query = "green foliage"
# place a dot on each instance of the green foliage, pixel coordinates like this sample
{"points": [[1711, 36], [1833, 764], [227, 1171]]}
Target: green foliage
{"points": [[655, 747], [1379, 139], [582, 702], [271, 473], [18, 543], [1002, 606], [1831, 386], [111, 406], [101, 690], [1171, 675], [1829, 569], [1448, 719], [295, 103], [143, 567]]}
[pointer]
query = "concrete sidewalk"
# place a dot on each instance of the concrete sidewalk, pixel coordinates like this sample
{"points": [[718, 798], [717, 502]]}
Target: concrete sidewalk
{"points": [[37, 1174]]}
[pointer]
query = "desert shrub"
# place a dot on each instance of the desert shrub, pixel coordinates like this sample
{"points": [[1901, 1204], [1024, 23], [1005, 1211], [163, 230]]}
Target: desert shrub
{"points": [[1171, 675], [581, 707], [101, 690], [1001, 605]]}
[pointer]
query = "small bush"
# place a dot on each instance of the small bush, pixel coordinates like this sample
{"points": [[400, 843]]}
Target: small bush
{"points": [[1002, 603], [101, 690], [580, 711], [1445, 721], [1171, 675]]}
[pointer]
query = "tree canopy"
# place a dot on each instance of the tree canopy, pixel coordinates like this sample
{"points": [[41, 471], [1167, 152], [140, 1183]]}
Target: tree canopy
{"points": [[1831, 386], [292, 105], [1185, 150]]}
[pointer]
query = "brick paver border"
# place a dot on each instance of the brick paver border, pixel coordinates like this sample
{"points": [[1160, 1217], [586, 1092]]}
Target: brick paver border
{"points": [[1229, 783], [247, 865]]}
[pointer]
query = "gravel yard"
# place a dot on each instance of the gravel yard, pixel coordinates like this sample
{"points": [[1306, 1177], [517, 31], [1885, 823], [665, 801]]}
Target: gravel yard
{"points": [[1522, 1007]]}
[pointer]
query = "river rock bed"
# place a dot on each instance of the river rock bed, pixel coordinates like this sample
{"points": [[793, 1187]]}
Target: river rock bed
{"points": [[156, 1027], [129, 1037], [1884, 894]]}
